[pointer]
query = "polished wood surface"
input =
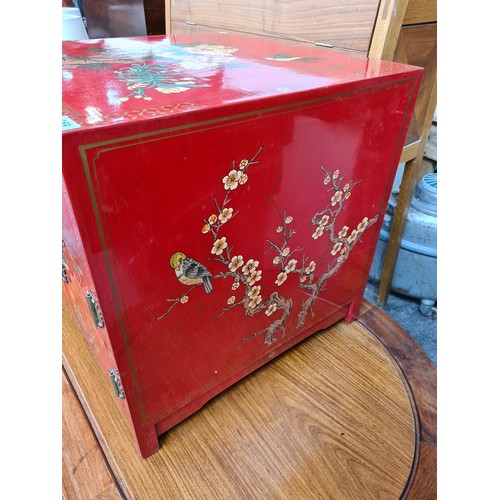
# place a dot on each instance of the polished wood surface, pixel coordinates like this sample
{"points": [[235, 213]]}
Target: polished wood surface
{"points": [[334, 417], [124, 18], [337, 22]]}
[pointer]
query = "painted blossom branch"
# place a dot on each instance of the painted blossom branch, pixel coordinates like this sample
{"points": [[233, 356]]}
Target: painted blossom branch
{"points": [[319, 284], [324, 222], [274, 303]]}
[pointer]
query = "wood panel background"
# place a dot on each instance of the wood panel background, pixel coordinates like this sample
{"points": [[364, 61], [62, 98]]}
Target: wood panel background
{"points": [[346, 25]]}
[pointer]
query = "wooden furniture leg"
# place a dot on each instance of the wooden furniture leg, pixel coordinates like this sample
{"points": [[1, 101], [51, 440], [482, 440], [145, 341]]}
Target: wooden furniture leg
{"points": [[412, 174]]}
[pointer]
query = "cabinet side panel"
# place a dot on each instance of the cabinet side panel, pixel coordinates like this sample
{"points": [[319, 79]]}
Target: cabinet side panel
{"points": [[78, 282]]}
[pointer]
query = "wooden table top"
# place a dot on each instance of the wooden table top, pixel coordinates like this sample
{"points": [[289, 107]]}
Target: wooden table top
{"points": [[348, 413]]}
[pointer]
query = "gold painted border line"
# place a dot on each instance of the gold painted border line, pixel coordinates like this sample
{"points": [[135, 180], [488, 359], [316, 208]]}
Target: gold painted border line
{"points": [[218, 123]]}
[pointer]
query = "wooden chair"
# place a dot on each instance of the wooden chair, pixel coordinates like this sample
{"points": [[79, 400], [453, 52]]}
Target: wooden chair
{"points": [[399, 30]]}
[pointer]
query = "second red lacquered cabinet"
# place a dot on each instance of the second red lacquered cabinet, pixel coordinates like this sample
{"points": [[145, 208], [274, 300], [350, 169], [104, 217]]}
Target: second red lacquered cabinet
{"points": [[222, 199]]}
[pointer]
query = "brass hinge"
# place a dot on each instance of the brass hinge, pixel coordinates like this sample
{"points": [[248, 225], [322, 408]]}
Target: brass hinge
{"points": [[94, 309], [117, 385]]}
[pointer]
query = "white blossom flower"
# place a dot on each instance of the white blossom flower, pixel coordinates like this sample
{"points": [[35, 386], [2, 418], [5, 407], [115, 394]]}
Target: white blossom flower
{"points": [[236, 262], [230, 181], [255, 302], [343, 232], [336, 174], [279, 229], [212, 219], [303, 278], [225, 215], [171, 90], [352, 236], [285, 252], [276, 260], [363, 224], [324, 220], [346, 187], [235, 285], [326, 180], [219, 246], [205, 229], [243, 164], [317, 233], [272, 307], [250, 266], [184, 299], [290, 267], [254, 292], [336, 198], [311, 267], [255, 276], [347, 195], [231, 300], [336, 248], [281, 278], [289, 219], [243, 179]]}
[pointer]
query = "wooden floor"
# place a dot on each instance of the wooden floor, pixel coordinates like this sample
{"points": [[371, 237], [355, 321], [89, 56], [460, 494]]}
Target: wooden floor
{"points": [[349, 413]]}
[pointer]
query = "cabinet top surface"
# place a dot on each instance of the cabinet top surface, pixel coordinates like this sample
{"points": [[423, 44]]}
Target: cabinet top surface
{"points": [[119, 80]]}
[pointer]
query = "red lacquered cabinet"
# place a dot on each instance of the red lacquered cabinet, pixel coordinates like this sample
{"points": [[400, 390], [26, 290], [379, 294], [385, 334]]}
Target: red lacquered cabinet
{"points": [[222, 199]]}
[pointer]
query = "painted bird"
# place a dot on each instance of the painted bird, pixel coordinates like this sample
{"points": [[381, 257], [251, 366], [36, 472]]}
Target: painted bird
{"points": [[190, 271]]}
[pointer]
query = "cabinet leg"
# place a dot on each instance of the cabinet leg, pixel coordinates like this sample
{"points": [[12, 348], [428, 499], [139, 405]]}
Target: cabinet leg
{"points": [[353, 311], [147, 441]]}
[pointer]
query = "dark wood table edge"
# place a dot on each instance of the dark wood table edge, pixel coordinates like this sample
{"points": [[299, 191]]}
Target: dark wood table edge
{"points": [[421, 378]]}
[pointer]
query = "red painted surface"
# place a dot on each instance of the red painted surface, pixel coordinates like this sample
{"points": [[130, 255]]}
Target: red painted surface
{"points": [[147, 165]]}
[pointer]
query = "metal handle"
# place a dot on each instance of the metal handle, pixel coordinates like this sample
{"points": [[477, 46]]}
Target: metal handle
{"points": [[94, 309]]}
